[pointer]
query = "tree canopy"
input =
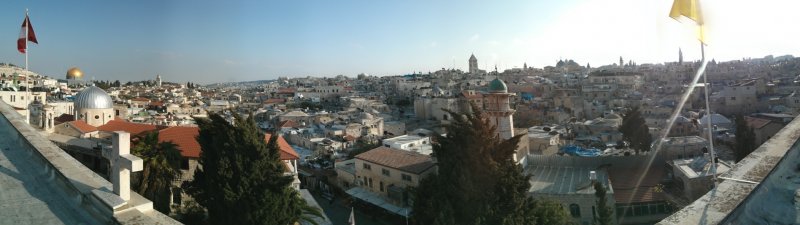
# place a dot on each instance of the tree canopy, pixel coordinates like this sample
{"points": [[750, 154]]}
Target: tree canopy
{"points": [[241, 178], [161, 167], [604, 212], [635, 131], [478, 181]]}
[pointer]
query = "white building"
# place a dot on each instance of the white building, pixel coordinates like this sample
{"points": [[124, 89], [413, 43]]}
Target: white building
{"points": [[413, 143]]}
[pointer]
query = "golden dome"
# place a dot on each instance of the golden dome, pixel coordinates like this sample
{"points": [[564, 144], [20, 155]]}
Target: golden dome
{"points": [[74, 73]]}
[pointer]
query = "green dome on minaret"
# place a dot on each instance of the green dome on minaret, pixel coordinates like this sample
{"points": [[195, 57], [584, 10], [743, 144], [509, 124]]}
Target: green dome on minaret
{"points": [[498, 85]]}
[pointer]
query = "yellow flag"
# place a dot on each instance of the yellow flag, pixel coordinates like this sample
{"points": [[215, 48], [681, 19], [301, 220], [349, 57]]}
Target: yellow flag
{"points": [[689, 9]]}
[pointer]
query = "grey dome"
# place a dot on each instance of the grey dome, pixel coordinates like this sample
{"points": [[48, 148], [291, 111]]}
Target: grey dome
{"points": [[93, 98]]}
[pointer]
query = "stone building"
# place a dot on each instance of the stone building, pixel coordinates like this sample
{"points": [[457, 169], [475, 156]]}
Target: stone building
{"points": [[384, 175]]}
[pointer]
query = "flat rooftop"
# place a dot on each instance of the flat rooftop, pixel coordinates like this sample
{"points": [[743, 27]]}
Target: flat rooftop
{"points": [[686, 167], [404, 139], [563, 180]]}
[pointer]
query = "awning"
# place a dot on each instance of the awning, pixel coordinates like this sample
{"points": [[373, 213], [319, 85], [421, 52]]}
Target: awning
{"points": [[377, 200]]}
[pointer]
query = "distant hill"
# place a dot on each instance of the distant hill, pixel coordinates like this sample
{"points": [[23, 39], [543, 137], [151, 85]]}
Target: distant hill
{"points": [[241, 83]]}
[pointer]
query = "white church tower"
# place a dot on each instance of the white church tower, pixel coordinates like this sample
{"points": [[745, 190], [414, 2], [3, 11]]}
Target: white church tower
{"points": [[498, 108]]}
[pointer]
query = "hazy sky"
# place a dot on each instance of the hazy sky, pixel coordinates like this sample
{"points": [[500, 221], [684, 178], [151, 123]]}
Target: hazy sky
{"points": [[215, 41]]}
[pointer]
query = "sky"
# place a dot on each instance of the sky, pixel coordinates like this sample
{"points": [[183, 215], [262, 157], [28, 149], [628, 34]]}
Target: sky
{"points": [[221, 41]]}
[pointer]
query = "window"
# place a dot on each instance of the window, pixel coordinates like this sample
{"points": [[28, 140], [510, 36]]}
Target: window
{"points": [[575, 210], [406, 177], [370, 182], [96, 117], [733, 98], [185, 164], [365, 181], [367, 166], [176, 196], [386, 172], [381, 186], [638, 210]]}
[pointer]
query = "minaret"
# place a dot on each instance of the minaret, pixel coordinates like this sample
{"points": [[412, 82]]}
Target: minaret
{"points": [[621, 63], [498, 108], [473, 64], [680, 56]]}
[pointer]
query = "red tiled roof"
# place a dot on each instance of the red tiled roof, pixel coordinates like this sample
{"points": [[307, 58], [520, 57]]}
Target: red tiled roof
{"points": [[184, 137], [287, 152], [471, 96], [756, 123], [626, 190], [287, 123], [140, 99], [82, 126], [411, 162], [285, 90], [121, 125], [274, 101]]}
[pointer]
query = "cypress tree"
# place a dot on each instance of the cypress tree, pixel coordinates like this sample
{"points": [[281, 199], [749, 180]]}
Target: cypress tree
{"points": [[604, 212], [241, 178], [745, 139], [478, 181], [635, 131]]}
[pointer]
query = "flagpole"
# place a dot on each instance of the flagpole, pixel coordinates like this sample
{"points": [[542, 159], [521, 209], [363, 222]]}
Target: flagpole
{"points": [[710, 119], [26, 38]]}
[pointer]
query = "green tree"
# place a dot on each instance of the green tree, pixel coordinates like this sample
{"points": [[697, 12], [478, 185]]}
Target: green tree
{"points": [[241, 178], [604, 212], [161, 167], [635, 131], [745, 139], [478, 181]]}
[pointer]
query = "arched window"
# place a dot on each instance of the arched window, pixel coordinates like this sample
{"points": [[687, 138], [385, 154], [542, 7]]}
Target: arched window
{"points": [[575, 210]]}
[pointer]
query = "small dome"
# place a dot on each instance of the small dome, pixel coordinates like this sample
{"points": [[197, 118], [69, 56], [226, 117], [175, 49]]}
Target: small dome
{"points": [[498, 85], [74, 73], [93, 98]]}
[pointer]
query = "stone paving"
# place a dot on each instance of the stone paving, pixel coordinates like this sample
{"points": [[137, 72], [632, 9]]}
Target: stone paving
{"points": [[28, 194]]}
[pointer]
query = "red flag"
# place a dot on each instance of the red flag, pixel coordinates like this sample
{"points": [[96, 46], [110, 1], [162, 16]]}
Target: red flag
{"points": [[22, 45]]}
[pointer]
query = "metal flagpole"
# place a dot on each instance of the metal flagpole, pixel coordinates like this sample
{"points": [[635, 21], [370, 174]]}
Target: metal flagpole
{"points": [[710, 119], [27, 24]]}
